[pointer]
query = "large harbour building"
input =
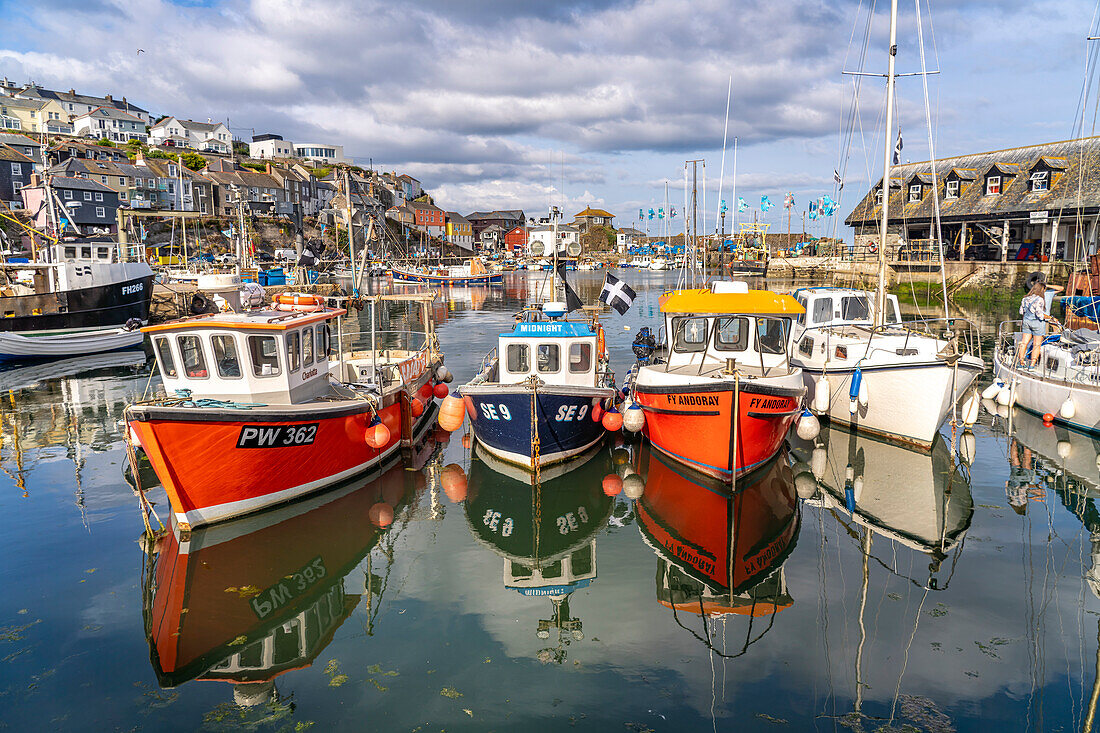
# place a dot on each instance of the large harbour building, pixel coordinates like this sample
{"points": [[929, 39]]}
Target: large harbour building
{"points": [[1039, 202]]}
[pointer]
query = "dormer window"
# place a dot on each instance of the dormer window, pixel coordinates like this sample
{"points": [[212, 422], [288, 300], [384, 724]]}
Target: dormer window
{"points": [[878, 197], [1040, 181], [914, 192], [992, 185], [952, 190]]}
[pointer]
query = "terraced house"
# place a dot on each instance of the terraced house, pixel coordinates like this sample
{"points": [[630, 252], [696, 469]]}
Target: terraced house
{"points": [[34, 116], [110, 123], [74, 104], [15, 173], [1022, 203]]}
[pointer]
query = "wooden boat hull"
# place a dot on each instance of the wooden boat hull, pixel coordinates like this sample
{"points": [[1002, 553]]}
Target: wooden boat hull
{"points": [[489, 278], [501, 418], [217, 464], [694, 423]]}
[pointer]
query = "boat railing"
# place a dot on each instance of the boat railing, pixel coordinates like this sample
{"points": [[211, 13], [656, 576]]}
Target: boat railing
{"points": [[1084, 367], [407, 341], [944, 329], [487, 360]]}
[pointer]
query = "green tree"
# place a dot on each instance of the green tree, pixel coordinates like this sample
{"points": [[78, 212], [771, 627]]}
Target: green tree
{"points": [[193, 160], [105, 143]]}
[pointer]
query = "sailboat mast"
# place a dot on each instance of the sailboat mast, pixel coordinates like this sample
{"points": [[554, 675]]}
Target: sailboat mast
{"points": [[880, 293]]}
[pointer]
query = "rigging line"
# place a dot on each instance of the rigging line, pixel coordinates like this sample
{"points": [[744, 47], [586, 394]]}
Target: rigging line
{"points": [[905, 662], [845, 145], [722, 168], [932, 158]]}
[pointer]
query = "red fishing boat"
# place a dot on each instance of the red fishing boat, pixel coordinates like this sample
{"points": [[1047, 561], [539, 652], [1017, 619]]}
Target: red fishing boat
{"points": [[246, 601], [722, 395], [262, 407]]}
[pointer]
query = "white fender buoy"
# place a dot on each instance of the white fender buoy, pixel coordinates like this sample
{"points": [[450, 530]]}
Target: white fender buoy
{"points": [[819, 461], [990, 392], [634, 486], [863, 394], [821, 394], [809, 427], [805, 485], [1064, 448], [990, 406], [857, 486], [1098, 462], [1068, 409], [970, 410], [968, 446], [1002, 411], [443, 374], [626, 470], [633, 417], [1004, 397]]}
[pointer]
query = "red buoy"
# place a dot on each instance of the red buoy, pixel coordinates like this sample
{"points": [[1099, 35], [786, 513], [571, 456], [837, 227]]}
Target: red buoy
{"points": [[381, 514], [378, 436], [1048, 418], [612, 420], [597, 412], [441, 390], [453, 481], [426, 391], [612, 484], [417, 407]]}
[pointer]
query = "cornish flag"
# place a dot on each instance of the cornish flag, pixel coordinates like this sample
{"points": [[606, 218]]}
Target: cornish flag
{"points": [[617, 294]]}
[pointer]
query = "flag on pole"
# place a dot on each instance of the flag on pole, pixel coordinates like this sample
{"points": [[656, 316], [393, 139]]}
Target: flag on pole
{"points": [[813, 211], [572, 300], [765, 203], [897, 149], [837, 179], [617, 294], [651, 213], [672, 212], [741, 205], [788, 201]]}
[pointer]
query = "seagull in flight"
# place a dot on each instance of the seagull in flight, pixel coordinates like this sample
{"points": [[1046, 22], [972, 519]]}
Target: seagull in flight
{"points": [[140, 51]]}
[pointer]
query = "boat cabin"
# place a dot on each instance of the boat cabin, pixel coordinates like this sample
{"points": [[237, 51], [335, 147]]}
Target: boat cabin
{"points": [[270, 357], [727, 322], [842, 307], [557, 352]]}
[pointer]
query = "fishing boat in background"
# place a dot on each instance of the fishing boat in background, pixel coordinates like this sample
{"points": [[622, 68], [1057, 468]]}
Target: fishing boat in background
{"points": [[472, 273], [253, 416], [721, 395], [14, 346], [246, 601], [868, 369], [750, 250]]}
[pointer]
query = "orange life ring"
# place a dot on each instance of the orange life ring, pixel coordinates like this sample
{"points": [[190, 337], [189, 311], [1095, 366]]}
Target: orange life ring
{"points": [[297, 308], [299, 299]]}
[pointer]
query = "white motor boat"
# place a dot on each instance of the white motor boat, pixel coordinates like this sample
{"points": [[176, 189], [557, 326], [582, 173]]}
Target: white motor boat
{"points": [[658, 263], [14, 346], [895, 380]]}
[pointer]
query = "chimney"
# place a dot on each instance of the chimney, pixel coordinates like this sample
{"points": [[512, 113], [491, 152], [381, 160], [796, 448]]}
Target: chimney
{"points": [[108, 97], [267, 165], [72, 91], [35, 180], [125, 104], [139, 159]]}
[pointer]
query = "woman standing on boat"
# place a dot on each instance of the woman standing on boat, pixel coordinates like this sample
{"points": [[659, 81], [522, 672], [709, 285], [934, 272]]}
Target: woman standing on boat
{"points": [[1033, 310]]}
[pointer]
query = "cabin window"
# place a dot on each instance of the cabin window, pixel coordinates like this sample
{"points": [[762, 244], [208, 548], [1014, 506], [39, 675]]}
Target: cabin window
{"points": [[823, 310], [324, 342], [802, 316], [806, 346], [771, 335], [733, 333], [992, 185], [548, 357], [164, 354], [103, 253], [580, 358], [518, 360], [70, 253], [307, 346], [952, 191], [855, 308], [225, 356], [690, 333], [194, 363], [264, 352], [293, 353], [86, 252]]}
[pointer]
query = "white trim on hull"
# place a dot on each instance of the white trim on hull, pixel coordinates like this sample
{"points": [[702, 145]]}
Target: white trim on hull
{"points": [[1042, 396], [547, 459]]}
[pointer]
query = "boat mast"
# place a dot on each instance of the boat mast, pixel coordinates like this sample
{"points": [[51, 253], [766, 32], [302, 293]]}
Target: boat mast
{"points": [[880, 293], [351, 230]]}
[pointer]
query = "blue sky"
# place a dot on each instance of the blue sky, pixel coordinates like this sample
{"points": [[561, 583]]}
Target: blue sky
{"points": [[520, 103]]}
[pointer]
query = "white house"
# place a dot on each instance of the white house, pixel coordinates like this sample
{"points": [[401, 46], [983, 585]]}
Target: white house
{"points": [[540, 238], [626, 238], [268, 145], [212, 137], [320, 152], [108, 122]]}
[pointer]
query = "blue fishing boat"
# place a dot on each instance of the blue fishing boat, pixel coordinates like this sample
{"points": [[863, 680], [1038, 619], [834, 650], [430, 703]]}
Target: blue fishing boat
{"points": [[540, 395]]}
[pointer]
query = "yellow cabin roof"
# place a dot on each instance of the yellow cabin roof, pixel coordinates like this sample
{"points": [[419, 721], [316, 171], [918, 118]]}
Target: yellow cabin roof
{"points": [[763, 302]]}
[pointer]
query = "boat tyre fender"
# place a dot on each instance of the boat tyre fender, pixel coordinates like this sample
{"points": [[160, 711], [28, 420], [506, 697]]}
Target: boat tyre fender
{"points": [[199, 304], [1033, 278], [132, 324]]}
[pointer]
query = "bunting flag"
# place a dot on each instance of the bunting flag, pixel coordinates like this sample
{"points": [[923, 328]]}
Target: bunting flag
{"points": [[813, 211], [838, 180], [660, 213], [617, 294], [788, 201], [827, 207], [672, 212], [741, 205], [897, 149], [765, 203], [651, 213], [722, 209], [641, 215]]}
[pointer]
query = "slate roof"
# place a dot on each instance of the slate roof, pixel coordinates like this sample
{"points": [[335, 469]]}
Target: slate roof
{"points": [[110, 113], [7, 138], [1071, 162], [11, 154], [83, 184], [82, 99]]}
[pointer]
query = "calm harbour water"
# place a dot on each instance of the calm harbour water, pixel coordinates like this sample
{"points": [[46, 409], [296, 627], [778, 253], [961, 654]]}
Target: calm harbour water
{"points": [[926, 597]]}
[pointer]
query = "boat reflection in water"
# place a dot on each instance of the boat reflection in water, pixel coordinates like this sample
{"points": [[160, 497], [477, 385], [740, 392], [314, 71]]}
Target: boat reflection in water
{"points": [[920, 500], [720, 552], [245, 601], [545, 532]]}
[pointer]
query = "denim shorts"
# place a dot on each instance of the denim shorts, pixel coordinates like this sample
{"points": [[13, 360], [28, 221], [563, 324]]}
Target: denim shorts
{"points": [[1035, 327]]}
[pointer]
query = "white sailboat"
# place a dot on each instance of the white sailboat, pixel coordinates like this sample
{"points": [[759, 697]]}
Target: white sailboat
{"points": [[867, 369]]}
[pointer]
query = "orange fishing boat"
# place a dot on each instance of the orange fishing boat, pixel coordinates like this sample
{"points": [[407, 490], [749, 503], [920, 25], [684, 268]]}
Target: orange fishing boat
{"points": [[722, 394], [263, 407]]}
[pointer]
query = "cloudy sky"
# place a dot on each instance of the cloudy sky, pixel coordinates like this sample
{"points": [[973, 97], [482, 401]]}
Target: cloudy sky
{"points": [[520, 103]]}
